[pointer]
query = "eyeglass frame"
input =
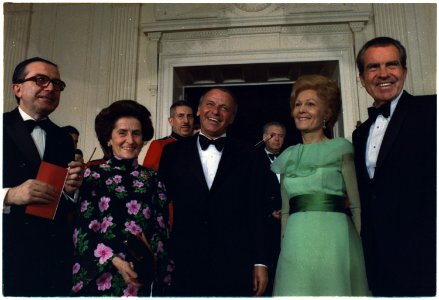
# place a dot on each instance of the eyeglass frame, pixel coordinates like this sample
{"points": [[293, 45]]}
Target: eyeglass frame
{"points": [[58, 84]]}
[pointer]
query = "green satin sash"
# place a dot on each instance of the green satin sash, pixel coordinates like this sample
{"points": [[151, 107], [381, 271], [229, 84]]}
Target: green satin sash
{"points": [[317, 202]]}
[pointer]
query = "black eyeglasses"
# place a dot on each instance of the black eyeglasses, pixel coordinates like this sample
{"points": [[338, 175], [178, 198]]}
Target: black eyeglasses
{"points": [[43, 81]]}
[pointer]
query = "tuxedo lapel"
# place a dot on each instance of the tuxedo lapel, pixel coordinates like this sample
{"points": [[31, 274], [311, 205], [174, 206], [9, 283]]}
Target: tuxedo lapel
{"points": [[225, 164], [53, 144], [21, 137], [393, 129], [361, 141]]}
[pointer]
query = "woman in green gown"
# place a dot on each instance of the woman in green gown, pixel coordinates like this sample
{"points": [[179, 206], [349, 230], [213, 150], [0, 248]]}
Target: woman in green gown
{"points": [[321, 252]]}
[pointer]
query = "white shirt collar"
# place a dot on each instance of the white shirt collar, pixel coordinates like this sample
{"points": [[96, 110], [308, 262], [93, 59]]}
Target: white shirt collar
{"points": [[394, 103], [24, 115], [223, 135]]}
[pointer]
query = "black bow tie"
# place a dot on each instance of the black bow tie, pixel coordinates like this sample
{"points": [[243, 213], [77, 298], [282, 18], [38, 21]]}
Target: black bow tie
{"points": [[382, 110], [218, 143], [272, 156], [30, 124]]}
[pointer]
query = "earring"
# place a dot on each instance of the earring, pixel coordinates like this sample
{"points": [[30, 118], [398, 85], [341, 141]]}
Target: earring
{"points": [[324, 124], [108, 144]]}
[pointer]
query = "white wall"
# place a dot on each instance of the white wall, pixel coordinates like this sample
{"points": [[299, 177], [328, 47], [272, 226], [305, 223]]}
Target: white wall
{"points": [[116, 51]]}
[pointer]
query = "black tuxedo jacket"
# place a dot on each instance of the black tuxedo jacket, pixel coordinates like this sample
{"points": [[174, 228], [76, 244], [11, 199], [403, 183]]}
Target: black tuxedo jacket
{"points": [[399, 203], [218, 234], [272, 202], [36, 251], [272, 196]]}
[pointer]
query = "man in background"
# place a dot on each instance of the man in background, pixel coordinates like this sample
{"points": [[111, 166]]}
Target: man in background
{"points": [[274, 136], [181, 119], [74, 133]]}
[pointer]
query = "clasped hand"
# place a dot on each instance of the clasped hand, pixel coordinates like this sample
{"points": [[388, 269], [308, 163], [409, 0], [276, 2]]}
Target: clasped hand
{"points": [[74, 177]]}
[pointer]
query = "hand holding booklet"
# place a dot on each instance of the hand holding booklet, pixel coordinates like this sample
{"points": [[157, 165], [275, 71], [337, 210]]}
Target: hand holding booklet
{"points": [[56, 177]]}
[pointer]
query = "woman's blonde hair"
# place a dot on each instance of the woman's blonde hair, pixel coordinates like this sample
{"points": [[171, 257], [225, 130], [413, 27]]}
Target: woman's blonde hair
{"points": [[327, 91]]}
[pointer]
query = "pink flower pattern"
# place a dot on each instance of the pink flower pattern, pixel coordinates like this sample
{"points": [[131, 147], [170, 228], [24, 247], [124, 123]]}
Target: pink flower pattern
{"points": [[133, 227], [84, 205], [104, 203], [161, 221], [130, 291], [75, 237], [133, 207], [117, 179], [77, 287], [104, 281], [103, 253], [138, 183], [86, 173], [94, 225], [147, 213], [120, 189], [76, 268], [118, 200], [106, 222]]}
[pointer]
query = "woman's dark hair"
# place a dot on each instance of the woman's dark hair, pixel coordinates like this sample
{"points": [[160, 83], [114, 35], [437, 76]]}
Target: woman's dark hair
{"points": [[327, 90], [107, 118]]}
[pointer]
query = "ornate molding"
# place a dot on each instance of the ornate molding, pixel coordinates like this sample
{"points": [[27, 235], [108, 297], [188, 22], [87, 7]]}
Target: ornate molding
{"points": [[224, 33], [252, 7], [154, 36], [310, 18], [324, 28], [357, 26]]}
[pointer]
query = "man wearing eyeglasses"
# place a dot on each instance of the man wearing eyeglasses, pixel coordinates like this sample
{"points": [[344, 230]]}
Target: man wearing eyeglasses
{"points": [[36, 250]]}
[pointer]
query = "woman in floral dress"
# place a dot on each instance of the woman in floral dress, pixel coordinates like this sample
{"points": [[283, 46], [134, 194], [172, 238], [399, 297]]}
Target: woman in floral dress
{"points": [[118, 199]]}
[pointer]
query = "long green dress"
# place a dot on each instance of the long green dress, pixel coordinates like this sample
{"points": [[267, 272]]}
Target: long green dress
{"points": [[321, 253]]}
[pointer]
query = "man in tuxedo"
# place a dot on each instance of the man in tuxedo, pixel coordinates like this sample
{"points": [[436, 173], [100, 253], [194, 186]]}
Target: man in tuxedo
{"points": [[36, 251], [273, 135], [395, 156], [215, 183]]}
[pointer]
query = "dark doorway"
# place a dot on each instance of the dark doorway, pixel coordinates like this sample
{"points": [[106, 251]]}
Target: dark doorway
{"points": [[257, 105]]}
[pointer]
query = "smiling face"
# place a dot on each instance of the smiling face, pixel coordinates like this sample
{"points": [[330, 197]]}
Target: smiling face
{"points": [[383, 76], [36, 101], [126, 138], [216, 112], [309, 111]]}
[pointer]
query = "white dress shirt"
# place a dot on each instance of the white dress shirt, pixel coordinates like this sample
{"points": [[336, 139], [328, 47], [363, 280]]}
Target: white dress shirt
{"points": [[272, 160], [38, 134], [375, 139], [210, 159]]}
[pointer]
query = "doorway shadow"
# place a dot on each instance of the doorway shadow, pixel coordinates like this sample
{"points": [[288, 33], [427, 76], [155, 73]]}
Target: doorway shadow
{"points": [[258, 104]]}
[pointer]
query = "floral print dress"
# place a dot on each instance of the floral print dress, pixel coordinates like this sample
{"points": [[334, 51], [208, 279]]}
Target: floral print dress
{"points": [[118, 198]]}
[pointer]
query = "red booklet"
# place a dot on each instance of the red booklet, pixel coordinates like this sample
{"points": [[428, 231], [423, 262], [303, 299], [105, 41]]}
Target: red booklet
{"points": [[55, 176]]}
